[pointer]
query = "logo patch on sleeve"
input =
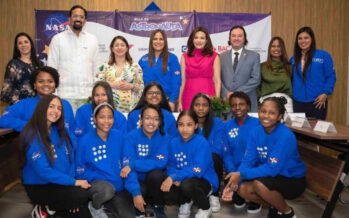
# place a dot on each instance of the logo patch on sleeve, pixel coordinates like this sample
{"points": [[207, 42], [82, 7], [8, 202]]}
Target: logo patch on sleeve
{"points": [[197, 170], [36, 155], [273, 160], [160, 157]]}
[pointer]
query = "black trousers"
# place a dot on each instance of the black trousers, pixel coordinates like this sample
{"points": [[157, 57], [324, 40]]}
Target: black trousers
{"points": [[195, 189], [218, 167], [150, 188], [309, 109], [60, 198]]}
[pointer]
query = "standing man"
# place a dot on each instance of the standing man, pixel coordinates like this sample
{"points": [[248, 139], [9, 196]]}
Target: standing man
{"points": [[240, 68], [74, 53]]}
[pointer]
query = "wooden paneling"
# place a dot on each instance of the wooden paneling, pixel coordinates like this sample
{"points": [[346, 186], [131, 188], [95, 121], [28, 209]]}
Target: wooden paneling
{"points": [[328, 18]]}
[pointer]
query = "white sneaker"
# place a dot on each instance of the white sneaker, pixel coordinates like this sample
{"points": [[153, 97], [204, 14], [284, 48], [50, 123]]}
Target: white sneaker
{"points": [[97, 213], [203, 213], [215, 204], [184, 210]]}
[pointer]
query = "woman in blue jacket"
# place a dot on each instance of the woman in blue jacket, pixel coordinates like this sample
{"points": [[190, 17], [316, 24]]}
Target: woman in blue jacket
{"points": [[146, 153], [271, 170], [99, 161], [191, 175], [44, 81], [84, 120], [49, 171], [162, 66], [313, 75], [211, 128], [155, 95]]}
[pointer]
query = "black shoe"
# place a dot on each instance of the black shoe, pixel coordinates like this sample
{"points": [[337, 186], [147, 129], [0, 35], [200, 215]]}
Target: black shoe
{"points": [[159, 211], [272, 212], [239, 202], [284, 215], [149, 211], [253, 207]]}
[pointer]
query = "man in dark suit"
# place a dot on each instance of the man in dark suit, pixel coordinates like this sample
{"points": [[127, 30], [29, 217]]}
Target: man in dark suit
{"points": [[240, 68]]}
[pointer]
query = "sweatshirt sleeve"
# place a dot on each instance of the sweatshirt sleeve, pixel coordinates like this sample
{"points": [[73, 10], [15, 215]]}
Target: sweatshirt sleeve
{"points": [[13, 117], [132, 185], [132, 121], [329, 73], [79, 126], [228, 152], [36, 157], [175, 71]]}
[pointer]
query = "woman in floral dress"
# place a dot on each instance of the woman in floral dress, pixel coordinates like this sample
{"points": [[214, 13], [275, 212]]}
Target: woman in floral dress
{"points": [[123, 75]]}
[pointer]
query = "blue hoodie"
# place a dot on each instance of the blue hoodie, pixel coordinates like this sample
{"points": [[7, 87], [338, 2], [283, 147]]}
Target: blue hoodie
{"points": [[320, 77], [17, 116], [269, 155], [37, 169], [143, 154], [191, 159], [169, 80], [84, 120], [169, 121], [235, 139]]}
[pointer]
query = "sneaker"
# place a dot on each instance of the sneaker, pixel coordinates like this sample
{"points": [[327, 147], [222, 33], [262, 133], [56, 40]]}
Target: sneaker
{"points": [[215, 204], [97, 212], [253, 207], [38, 213], [159, 211], [50, 212], [149, 211], [239, 202], [271, 213], [284, 215], [184, 210], [203, 213]]}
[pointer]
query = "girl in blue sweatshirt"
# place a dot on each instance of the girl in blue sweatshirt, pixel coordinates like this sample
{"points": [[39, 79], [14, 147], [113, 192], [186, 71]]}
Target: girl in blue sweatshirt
{"points": [[44, 81], [191, 175], [235, 134], [211, 128], [271, 170], [146, 153], [153, 94], [48, 174], [84, 120], [99, 161]]}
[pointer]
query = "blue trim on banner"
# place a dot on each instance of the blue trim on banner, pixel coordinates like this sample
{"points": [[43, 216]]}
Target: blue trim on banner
{"points": [[152, 7]]}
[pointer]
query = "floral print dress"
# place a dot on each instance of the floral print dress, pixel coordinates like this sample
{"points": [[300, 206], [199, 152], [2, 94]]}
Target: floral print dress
{"points": [[124, 101]]}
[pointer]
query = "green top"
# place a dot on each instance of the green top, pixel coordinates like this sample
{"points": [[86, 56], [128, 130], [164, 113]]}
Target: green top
{"points": [[275, 80]]}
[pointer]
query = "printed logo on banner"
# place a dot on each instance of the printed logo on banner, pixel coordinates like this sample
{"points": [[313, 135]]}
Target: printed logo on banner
{"points": [[55, 23], [184, 48]]}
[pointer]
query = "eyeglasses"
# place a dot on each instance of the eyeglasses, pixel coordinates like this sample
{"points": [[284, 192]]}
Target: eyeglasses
{"points": [[78, 16], [153, 93], [149, 118]]}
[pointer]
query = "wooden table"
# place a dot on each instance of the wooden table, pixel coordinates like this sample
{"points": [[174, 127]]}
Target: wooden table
{"points": [[325, 175]]}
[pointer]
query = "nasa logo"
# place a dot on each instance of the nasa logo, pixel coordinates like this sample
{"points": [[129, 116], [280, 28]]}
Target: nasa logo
{"points": [[184, 48], [55, 23]]}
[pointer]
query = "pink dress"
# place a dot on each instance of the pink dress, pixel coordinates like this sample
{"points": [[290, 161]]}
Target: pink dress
{"points": [[198, 76]]}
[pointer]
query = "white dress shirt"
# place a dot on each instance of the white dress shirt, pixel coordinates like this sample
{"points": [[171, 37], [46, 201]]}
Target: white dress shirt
{"points": [[233, 55], [76, 58]]}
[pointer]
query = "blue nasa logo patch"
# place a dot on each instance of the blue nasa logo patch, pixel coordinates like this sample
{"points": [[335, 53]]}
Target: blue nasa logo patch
{"points": [[54, 24]]}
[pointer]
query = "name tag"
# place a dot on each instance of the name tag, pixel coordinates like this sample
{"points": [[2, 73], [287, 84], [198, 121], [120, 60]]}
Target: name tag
{"points": [[301, 122], [325, 127]]}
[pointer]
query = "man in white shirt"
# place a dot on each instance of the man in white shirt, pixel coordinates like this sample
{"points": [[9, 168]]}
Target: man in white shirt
{"points": [[74, 53]]}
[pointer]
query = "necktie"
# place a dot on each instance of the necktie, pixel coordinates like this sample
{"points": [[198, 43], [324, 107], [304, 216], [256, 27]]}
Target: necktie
{"points": [[236, 60]]}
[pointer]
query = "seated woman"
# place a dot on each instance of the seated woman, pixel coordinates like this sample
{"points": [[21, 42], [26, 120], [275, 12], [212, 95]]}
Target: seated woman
{"points": [[276, 74], [44, 81], [211, 128], [153, 94], [146, 153], [49, 171], [191, 175], [236, 132], [123, 75], [84, 120], [99, 158], [271, 170]]}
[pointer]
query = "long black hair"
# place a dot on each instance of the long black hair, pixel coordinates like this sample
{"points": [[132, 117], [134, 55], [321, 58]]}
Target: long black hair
{"points": [[189, 113], [164, 54], [37, 128], [161, 116], [209, 116], [163, 103], [298, 51], [17, 54], [208, 48], [107, 89]]}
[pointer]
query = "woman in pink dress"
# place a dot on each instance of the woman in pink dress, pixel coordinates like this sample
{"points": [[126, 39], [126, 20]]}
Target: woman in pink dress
{"points": [[200, 67]]}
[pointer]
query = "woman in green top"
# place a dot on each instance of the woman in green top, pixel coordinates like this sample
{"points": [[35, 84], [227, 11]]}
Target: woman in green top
{"points": [[276, 74]]}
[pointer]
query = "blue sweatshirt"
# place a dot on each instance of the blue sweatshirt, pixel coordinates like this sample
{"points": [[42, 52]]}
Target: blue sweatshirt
{"points": [[169, 80], [269, 155], [84, 120], [100, 160], [320, 77], [37, 169], [169, 121], [235, 139], [143, 154], [17, 115], [191, 159], [215, 137]]}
